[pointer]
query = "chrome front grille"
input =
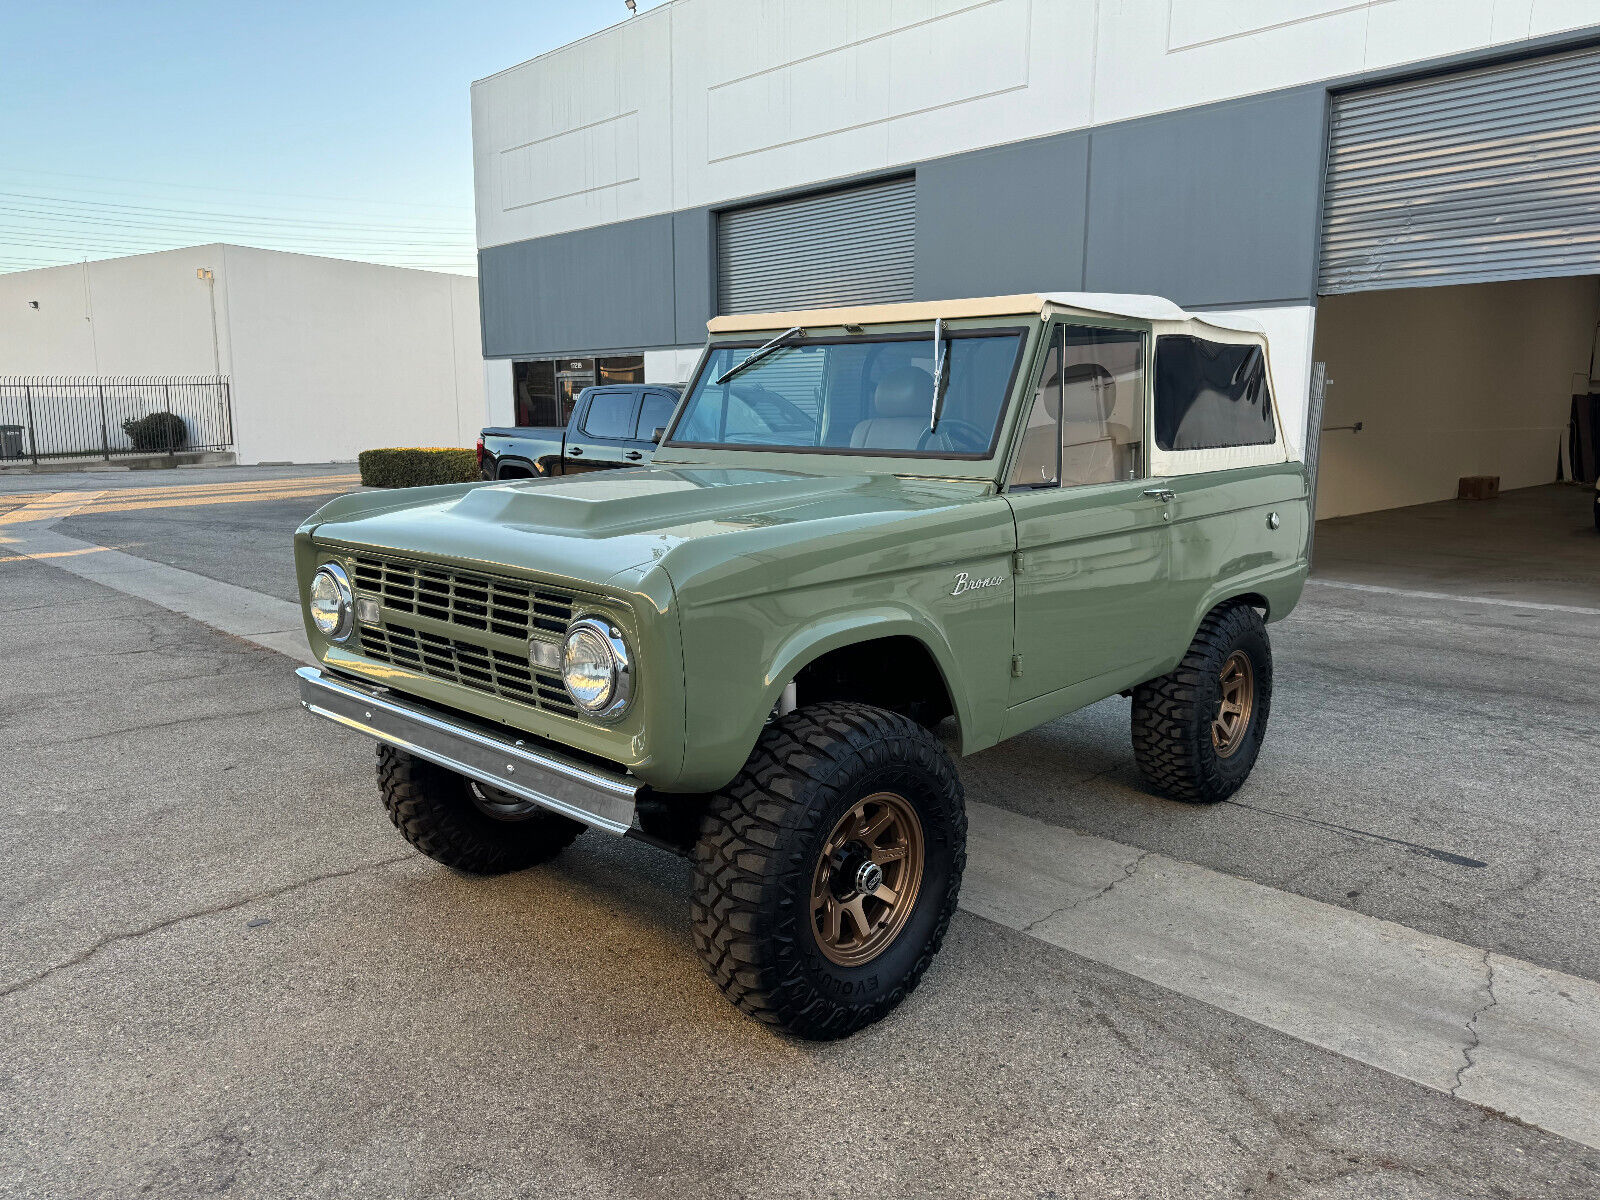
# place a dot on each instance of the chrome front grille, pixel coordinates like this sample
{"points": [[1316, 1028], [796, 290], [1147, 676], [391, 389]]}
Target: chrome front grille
{"points": [[462, 598], [484, 668], [482, 608]]}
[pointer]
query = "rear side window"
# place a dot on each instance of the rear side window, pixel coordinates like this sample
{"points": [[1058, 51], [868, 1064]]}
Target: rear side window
{"points": [[654, 413], [1210, 395], [610, 416]]}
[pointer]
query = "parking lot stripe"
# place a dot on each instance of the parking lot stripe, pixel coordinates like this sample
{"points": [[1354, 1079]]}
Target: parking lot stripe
{"points": [[335, 482], [1483, 1027], [109, 504], [47, 508], [1420, 595]]}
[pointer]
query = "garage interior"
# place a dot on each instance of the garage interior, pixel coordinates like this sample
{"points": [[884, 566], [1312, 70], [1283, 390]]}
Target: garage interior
{"points": [[1459, 321]]}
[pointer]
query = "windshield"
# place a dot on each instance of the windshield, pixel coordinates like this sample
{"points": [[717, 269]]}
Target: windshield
{"points": [[855, 395]]}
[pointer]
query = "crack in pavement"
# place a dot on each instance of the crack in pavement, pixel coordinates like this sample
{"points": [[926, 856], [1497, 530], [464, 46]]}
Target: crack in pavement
{"points": [[211, 911], [1433, 852], [196, 719], [1472, 1024], [1128, 873]]}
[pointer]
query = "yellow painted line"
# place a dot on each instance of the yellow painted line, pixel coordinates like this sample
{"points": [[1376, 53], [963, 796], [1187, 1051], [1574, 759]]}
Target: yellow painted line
{"points": [[55, 554], [335, 482], [53, 507], [202, 501]]}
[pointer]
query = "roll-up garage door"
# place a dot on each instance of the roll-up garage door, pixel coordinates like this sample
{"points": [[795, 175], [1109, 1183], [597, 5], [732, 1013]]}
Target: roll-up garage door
{"points": [[846, 247], [1475, 176]]}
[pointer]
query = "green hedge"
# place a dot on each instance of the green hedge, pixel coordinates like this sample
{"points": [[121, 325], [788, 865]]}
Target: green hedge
{"points": [[417, 466], [157, 431]]}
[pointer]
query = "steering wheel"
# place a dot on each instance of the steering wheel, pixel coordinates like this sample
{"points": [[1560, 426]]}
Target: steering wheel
{"points": [[955, 435]]}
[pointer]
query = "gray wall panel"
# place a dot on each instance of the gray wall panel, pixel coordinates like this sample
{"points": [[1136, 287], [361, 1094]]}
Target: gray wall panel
{"points": [[694, 272], [607, 288], [1001, 221], [1213, 205], [1208, 206]]}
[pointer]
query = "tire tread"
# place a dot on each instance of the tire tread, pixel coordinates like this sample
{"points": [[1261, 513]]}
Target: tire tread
{"points": [[739, 925]]}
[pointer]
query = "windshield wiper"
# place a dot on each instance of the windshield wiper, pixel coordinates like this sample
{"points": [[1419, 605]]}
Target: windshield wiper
{"points": [[938, 373], [757, 355]]}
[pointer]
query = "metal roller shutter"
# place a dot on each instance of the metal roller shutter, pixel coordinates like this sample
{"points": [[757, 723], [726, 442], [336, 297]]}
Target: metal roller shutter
{"points": [[1465, 178], [846, 247]]}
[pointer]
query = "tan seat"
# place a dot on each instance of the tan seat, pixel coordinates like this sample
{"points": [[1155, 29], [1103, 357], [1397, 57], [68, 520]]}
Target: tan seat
{"points": [[1088, 446], [901, 404]]}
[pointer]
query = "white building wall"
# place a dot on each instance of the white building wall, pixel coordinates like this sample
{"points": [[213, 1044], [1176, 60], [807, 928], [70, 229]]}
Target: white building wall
{"points": [[144, 315], [326, 357], [655, 114], [500, 402], [670, 366], [333, 357]]}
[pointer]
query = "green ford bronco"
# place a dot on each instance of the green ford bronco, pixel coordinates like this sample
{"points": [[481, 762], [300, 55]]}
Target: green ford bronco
{"points": [[869, 534]]}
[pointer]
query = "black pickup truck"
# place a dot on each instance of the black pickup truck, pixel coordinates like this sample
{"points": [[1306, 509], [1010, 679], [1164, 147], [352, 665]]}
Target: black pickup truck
{"points": [[613, 425]]}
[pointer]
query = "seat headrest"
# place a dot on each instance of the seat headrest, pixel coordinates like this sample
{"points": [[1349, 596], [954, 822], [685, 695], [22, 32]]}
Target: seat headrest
{"points": [[1090, 391], [903, 392]]}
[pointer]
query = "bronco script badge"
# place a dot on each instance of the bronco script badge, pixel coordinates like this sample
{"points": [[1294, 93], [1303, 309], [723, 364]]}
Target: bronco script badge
{"points": [[965, 583]]}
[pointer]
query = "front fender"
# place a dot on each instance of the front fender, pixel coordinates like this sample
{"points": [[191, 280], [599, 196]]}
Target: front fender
{"points": [[831, 633], [727, 724]]}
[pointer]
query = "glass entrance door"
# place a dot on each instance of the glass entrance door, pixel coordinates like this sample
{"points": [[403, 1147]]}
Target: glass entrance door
{"points": [[572, 376]]}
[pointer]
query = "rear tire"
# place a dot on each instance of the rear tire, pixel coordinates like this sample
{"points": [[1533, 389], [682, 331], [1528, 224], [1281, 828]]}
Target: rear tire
{"points": [[826, 873], [1197, 731], [465, 825]]}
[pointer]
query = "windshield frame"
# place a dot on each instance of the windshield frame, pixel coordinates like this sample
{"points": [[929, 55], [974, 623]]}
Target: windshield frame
{"points": [[1022, 332]]}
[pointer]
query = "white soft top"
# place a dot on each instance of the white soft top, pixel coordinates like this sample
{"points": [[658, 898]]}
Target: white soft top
{"points": [[1107, 304]]}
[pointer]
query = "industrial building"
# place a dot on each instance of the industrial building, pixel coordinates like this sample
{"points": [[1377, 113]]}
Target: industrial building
{"points": [[1404, 190], [322, 357]]}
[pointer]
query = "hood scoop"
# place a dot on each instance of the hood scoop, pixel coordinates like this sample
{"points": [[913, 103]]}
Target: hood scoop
{"points": [[605, 503]]}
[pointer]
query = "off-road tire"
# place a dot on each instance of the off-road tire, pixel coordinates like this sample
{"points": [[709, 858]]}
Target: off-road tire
{"points": [[433, 809], [1172, 715], [760, 840]]}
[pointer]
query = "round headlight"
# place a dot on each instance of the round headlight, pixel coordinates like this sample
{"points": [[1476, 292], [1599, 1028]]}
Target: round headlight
{"points": [[332, 602], [594, 667]]}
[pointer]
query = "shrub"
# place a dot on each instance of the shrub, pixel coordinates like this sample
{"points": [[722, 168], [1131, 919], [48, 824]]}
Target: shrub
{"points": [[158, 431], [417, 466]]}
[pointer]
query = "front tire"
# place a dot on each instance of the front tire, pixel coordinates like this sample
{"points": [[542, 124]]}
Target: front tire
{"points": [[1197, 730], [826, 873], [465, 825]]}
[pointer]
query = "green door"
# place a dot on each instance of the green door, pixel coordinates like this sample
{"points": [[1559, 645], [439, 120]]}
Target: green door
{"points": [[1093, 532]]}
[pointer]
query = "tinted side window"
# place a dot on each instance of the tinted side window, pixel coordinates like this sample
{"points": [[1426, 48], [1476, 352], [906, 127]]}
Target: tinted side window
{"points": [[1210, 395], [654, 413], [610, 415]]}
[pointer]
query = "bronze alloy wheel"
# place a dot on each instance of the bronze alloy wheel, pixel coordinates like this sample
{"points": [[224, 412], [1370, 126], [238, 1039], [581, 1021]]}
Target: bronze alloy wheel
{"points": [[1232, 721], [866, 880]]}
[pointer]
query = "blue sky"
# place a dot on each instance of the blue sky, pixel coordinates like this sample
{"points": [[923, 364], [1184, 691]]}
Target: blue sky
{"points": [[333, 128]]}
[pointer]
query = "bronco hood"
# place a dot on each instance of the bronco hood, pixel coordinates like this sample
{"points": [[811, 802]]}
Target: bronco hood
{"points": [[585, 529]]}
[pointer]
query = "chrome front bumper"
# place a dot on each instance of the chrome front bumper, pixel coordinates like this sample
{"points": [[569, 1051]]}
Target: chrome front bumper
{"points": [[568, 786]]}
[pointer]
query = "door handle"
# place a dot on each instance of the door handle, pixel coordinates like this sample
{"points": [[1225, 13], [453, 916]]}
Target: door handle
{"points": [[574, 450], [633, 454], [1165, 495]]}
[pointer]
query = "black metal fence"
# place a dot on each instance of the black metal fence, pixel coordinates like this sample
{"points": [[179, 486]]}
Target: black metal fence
{"points": [[105, 416]]}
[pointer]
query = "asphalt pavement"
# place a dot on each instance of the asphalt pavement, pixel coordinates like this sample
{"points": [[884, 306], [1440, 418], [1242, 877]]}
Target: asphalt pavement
{"points": [[224, 973]]}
